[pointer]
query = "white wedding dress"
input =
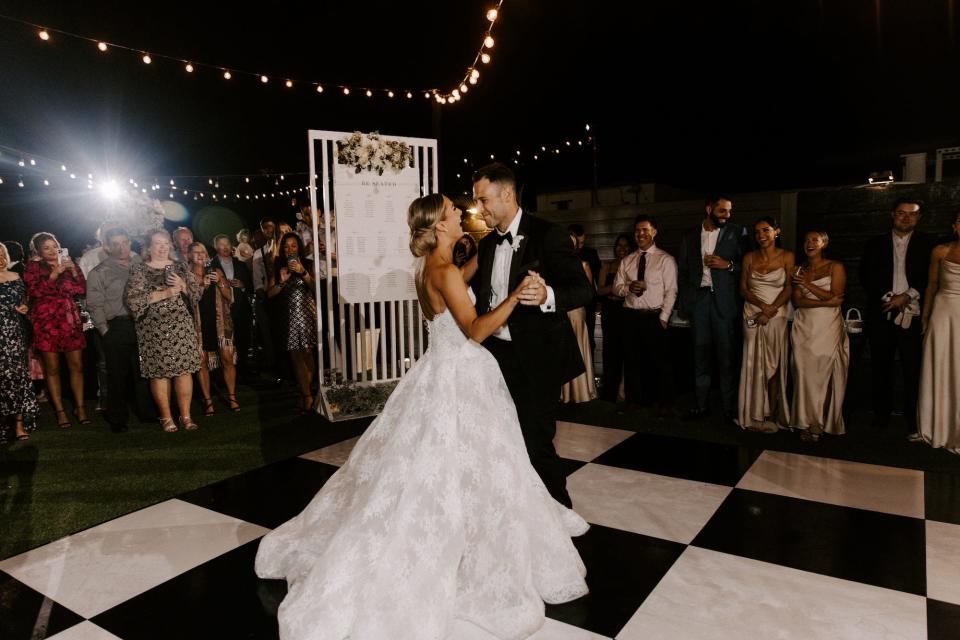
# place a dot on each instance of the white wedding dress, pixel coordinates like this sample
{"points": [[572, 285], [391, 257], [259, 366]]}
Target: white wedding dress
{"points": [[436, 521]]}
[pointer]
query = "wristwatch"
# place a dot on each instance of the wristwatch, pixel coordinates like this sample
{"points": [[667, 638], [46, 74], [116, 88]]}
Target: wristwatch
{"points": [[730, 266]]}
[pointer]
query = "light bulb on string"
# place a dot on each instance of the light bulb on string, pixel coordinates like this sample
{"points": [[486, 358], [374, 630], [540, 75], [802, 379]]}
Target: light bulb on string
{"points": [[172, 183], [473, 80], [44, 35], [319, 88], [346, 91], [492, 15], [184, 192], [488, 42], [264, 79], [209, 180], [389, 94], [227, 75], [21, 163], [102, 46], [369, 93], [63, 167], [33, 162], [247, 180], [425, 95], [485, 58], [289, 84], [73, 176], [146, 58], [20, 182], [189, 68], [1, 180], [474, 73], [409, 95], [46, 183], [464, 88]]}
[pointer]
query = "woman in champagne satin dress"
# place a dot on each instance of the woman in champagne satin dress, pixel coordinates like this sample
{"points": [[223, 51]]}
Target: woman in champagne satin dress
{"points": [[938, 410], [766, 289], [821, 349]]}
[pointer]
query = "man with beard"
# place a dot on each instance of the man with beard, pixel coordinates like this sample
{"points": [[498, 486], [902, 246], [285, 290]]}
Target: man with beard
{"points": [[709, 276], [894, 270]]}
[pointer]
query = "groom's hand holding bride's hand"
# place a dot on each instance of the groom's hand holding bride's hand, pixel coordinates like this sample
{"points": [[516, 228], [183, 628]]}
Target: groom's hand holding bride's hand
{"points": [[533, 290]]}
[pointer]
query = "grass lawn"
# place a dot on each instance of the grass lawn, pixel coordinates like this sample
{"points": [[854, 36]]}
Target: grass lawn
{"points": [[65, 480]]}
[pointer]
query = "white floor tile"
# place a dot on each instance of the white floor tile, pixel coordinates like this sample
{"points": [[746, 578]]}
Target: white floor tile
{"points": [[711, 595], [335, 454], [584, 442], [551, 630], [99, 568], [86, 630], [659, 506], [943, 561], [838, 482]]}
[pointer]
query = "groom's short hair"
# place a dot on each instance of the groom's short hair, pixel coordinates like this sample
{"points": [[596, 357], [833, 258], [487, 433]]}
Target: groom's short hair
{"points": [[496, 172]]}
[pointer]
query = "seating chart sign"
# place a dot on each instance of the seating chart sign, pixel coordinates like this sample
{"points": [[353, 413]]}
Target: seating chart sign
{"points": [[373, 251]]}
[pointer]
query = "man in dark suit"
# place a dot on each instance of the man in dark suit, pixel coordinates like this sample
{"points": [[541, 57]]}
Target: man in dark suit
{"points": [[893, 271], [536, 348], [709, 281], [241, 282], [592, 258]]}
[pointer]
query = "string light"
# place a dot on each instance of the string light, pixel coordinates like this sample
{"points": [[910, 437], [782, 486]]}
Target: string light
{"points": [[369, 93], [45, 34]]}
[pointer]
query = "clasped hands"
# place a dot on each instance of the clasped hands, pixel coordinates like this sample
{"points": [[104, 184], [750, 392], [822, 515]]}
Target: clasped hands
{"points": [[898, 302], [532, 291]]}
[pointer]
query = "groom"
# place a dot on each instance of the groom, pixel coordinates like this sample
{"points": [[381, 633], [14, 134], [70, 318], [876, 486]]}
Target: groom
{"points": [[536, 348]]}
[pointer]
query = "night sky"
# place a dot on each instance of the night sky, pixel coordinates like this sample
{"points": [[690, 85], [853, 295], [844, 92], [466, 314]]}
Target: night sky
{"points": [[721, 95]]}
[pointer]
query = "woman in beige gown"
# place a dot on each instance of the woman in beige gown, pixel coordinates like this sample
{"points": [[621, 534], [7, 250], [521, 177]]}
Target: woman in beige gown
{"points": [[583, 388], [938, 411], [821, 350], [766, 289]]}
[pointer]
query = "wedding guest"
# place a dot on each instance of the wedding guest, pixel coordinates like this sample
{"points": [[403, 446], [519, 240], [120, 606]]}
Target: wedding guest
{"points": [[213, 323], [709, 275], [304, 228], [821, 349], [241, 287], [182, 239], [118, 338], [766, 288], [159, 294], [612, 320], [15, 252], [293, 286], [261, 268], [244, 251], [583, 388], [53, 281], [465, 249], [894, 270], [647, 281], [18, 403], [592, 258], [264, 256], [939, 402], [95, 366], [93, 255]]}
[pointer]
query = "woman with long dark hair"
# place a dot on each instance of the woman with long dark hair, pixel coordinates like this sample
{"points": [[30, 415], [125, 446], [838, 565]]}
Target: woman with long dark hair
{"points": [[292, 284]]}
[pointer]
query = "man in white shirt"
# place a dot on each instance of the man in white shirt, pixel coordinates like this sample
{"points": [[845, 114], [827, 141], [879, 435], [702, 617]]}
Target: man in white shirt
{"points": [[647, 281], [894, 272], [536, 348]]}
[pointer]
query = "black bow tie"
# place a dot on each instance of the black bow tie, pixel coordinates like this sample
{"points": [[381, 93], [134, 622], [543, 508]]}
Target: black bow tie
{"points": [[506, 237]]}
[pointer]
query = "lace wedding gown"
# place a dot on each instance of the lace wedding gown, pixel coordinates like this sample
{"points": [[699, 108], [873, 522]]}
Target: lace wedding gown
{"points": [[436, 520]]}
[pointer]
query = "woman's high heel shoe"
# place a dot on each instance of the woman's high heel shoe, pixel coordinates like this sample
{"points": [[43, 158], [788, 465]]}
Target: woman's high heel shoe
{"points": [[208, 410], [232, 403], [188, 424], [65, 422], [80, 414]]}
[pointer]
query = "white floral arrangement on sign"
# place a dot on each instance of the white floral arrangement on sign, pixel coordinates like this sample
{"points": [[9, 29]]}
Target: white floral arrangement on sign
{"points": [[371, 152]]}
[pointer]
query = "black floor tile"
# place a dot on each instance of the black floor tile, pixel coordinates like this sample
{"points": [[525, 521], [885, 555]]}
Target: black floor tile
{"points": [[222, 598], [622, 569], [29, 615], [943, 620], [268, 496], [681, 458], [571, 466], [942, 495], [852, 544]]}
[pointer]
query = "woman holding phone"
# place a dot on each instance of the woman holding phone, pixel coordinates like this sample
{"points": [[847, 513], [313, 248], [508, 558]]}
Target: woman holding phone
{"points": [[53, 281], [292, 280], [159, 294]]}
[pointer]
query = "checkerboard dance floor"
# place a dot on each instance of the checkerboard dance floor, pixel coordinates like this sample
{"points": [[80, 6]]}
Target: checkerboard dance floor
{"points": [[689, 540]]}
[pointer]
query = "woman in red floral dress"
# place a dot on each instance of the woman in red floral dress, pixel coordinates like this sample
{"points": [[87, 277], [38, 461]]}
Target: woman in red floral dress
{"points": [[52, 282]]}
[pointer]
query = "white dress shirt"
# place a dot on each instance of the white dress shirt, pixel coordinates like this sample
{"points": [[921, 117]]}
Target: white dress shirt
{"points": [[258, 268], [500, 276], [900, 283], [660, 277], [708, 244]]}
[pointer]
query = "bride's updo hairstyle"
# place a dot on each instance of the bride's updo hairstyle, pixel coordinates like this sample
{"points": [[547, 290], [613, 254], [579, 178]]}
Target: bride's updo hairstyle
{"points": [[422, 218]]}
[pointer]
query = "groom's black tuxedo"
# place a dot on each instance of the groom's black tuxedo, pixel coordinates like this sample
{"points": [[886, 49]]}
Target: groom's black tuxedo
{"points": [[542, 353]]}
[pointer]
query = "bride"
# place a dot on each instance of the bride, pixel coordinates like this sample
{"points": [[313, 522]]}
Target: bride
{"points": [[437, 521]]}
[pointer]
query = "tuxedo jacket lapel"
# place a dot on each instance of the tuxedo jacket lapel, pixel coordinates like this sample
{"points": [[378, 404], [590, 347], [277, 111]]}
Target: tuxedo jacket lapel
{"points": [[521, 256], [485, 274]]}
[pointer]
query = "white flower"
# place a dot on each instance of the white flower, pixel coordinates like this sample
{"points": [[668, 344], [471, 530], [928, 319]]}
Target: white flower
{"points": [[515, 244]]}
